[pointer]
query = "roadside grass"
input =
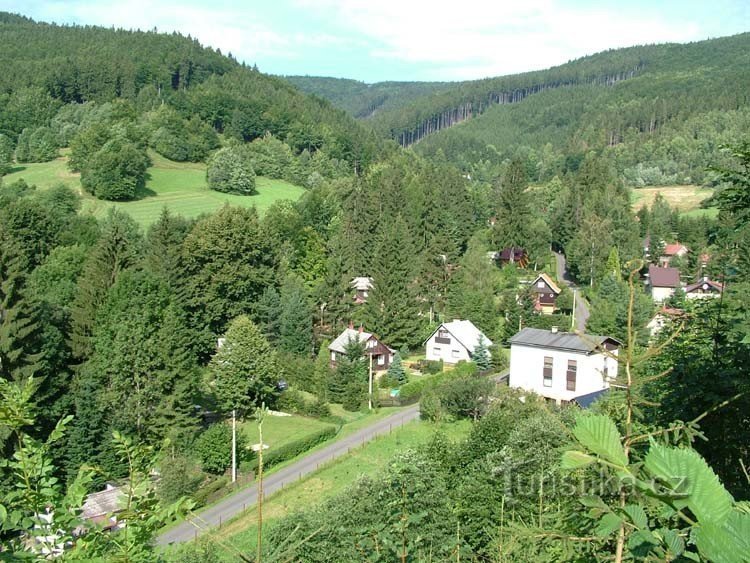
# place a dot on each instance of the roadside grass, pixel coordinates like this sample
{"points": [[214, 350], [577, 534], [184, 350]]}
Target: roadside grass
{"points": [[240, 534], [180, 186], [281, 430], [686, 199]]}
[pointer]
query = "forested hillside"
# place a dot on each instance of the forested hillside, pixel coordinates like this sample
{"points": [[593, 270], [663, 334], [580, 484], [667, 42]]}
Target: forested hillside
{"points": [[660, 111], [366, 100]]}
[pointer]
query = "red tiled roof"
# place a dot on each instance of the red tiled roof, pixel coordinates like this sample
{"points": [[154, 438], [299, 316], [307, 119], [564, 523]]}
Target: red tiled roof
{"points": [[663, 277], [673, 249]]}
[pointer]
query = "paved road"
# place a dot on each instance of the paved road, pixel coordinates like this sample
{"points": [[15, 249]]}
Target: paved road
{"points": [[582, 308], [246, 498]]}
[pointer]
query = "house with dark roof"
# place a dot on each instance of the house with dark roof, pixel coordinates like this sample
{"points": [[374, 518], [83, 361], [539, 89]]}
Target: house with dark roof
{"points": [[562, 366], [704, 288], [454, 342], [662, 282], [546, 291], [362, 286], [511, 255], [381, 354]]}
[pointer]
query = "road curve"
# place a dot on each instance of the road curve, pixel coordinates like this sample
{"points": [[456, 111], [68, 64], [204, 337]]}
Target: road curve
{"points": [[239, 501]]}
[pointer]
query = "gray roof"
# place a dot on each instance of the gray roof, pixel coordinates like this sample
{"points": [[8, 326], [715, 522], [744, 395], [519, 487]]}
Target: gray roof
{"points": [[540, 338], [585, 401], [103, 503], [343, 339]]}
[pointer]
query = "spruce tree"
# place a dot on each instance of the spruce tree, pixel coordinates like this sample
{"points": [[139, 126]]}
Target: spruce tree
{"points": [[244, 369], [481, 355], [268, 314], [513, 221], [396, 371], [116, 251], [322, 372], [392, 310], [295, 320]]}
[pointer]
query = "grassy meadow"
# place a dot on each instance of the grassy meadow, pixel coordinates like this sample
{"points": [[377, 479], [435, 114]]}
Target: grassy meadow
{"points": [[240, 535], [180, 186], [686, 199], [281, 430]]}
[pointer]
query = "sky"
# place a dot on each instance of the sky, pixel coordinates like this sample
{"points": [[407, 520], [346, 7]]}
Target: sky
{"points": [[377, 40]]}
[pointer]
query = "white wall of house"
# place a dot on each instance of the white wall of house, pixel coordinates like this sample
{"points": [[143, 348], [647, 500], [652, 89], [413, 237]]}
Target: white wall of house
{"points": [[527, 371], [450, 353], [659, 294]]}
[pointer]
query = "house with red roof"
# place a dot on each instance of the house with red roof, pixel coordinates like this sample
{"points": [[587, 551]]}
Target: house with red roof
{"points": [[671, 251]]}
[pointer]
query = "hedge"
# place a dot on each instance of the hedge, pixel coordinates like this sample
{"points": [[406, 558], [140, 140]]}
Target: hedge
{"points": [[293, 449], [413, 390]]}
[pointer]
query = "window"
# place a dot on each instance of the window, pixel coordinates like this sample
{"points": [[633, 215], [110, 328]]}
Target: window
{"points": [[381, 360], [547, 373], [540, 284], [571, 375], [436, 350], [605, 369], [371, 344], [333, 356], [455, 354]]}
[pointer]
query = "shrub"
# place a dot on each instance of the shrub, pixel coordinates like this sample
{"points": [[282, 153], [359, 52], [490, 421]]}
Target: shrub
{"points": [[214, 448], [203, 495], [179, 477], [431, 366], [37, 145], [293, 449], [231, 171]]}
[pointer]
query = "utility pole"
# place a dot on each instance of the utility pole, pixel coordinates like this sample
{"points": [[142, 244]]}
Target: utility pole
{"points": [[234, 445], [369, 396]]}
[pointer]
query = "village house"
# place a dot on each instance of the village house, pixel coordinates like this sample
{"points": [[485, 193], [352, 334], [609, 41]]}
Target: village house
{"points": [[362, 287], [674, 250], [101, 508], [661, 318], [562, 366], [546, 291], [382, 355], [662, 282], [454, 342], [703, 288]]}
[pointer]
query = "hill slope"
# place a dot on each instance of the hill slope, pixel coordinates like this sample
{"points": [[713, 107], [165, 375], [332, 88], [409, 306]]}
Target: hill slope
{"points": [[46, 66]]}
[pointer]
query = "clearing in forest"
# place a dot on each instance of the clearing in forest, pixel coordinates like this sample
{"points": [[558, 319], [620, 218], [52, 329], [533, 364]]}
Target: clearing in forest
{"points": [[686, 199], [181, 186]]}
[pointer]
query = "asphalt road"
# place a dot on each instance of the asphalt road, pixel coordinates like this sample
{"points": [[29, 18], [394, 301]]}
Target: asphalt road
{"points": [[236, 503], [582, 308]]}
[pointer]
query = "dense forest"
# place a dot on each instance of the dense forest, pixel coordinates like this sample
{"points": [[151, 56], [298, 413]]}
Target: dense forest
{"points": [[124, 350], [661, 111]]}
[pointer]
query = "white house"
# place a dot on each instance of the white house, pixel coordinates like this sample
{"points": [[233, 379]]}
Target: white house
{"points": [[561, 366], [662, 282], [454, 341], [362, 287]]}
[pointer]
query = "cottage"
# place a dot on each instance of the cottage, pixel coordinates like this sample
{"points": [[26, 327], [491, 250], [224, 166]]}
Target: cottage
{"points": [[546, 292], [662, 282], [704, 288], [101, 508], [514, 255], [562, 366], [382, 355], [660, 319], [362, 287], [454, 341], [671, 251]]}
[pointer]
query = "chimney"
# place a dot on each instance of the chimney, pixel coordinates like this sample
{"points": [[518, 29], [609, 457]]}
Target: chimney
{"points": [[360, 329], [351, 325], [554, 330]]}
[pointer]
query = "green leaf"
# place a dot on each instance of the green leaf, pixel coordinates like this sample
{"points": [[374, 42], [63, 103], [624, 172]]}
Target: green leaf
{"points": [[574, 459], [608, 524], [693, 482], [675, 544], [599, 434], [593, 501], [637, 516], [728, 543]]}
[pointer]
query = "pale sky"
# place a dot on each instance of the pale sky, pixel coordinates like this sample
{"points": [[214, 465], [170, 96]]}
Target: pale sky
{"points": [[375, 40]]}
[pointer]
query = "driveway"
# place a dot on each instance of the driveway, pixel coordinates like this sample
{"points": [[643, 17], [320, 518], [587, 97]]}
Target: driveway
{"points": [[241, 500], [582, 309]]}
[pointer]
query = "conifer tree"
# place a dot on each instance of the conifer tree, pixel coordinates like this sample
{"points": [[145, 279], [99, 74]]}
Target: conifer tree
{"points": [[322, 373], [481, 355], [295, 319], [392, 310], [336, 291], [163, 244], [116, 251], [512, 225], [268, 314], [396, 371], [245, 370]]}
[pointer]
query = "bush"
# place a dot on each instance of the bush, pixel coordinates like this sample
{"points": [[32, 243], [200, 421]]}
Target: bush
{"points": [[293, 449], [179, 477], [499, 358], [231, 171], [414, 389], [466, 397], [431, 366], [200, 551], [208, 491], [116, 172], [38, 145], [214, 448]]}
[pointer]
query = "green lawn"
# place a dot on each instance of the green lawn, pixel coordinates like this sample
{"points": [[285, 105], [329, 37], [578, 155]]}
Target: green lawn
{"points": [[240, 534], [686, 199], [281, 430], [180, 186]]}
